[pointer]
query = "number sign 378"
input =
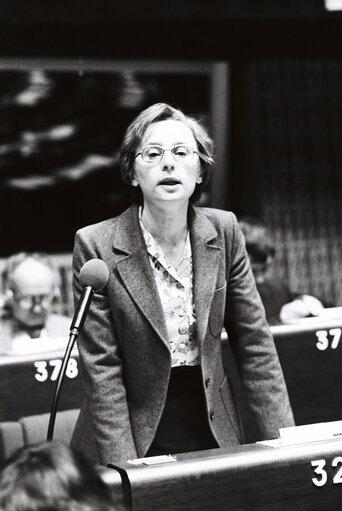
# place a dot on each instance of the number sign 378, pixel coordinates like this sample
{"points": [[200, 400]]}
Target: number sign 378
{"points": [[50, 370]]}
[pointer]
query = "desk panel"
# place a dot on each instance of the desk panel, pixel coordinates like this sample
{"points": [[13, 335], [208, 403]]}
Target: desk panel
{"points": [[28, 384], [250, 477], [310, 354], [311, 357]]}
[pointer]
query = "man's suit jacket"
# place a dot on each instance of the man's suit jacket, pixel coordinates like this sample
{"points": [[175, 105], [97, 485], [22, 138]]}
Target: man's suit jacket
{"points": [[124, 352]]}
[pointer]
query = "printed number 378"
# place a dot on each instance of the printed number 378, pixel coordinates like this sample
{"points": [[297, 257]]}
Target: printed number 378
{"points": [[50, 370]]}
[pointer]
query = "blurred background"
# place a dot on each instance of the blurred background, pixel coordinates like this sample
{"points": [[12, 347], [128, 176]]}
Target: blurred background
{"points": [[264, 77]]}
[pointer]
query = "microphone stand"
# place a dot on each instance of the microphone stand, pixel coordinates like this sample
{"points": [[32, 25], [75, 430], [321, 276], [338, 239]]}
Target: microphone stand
{"points": [[60, 379], [76, 325]]}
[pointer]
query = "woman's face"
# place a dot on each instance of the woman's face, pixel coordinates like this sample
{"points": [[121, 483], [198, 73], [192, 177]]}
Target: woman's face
{"points": [[169, 179]]}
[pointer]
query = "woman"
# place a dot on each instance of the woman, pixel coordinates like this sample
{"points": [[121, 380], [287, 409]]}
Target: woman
{"points": [[150, 350], [50, 476]]}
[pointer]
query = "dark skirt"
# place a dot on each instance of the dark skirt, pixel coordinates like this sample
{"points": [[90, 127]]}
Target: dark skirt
{"points": [[184, 424]]}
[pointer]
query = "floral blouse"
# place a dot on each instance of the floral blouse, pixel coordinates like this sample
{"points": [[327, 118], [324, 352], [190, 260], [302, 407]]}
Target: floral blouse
{"points": [[175, 291]]}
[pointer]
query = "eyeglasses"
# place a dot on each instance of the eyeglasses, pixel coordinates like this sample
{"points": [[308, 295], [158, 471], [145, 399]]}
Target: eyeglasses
{"points": [[28, 301], [155, 153]]}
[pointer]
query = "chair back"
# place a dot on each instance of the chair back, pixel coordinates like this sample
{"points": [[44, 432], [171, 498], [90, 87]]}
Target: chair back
{"points": [[33, 430]]}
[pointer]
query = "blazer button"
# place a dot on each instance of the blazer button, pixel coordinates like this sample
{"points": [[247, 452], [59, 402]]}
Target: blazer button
{"points": [[212, 414], [207, 382]]}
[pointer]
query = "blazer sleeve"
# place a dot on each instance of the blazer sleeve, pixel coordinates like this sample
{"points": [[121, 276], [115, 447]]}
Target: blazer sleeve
{"points": [[253, 345], [101, 365]]}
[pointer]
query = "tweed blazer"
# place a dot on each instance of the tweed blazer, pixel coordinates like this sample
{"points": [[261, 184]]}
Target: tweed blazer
{"points": [[124, 352]]}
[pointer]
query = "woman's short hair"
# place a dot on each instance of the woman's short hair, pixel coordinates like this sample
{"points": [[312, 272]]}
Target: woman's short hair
{"points": [[136, 130], [52, 477]]}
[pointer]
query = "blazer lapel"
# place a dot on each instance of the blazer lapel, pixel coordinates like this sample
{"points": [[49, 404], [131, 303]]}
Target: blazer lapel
{"points": [[134, 267], [205, 256]]}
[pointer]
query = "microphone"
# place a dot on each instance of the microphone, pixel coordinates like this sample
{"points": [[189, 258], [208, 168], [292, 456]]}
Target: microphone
{"points": [[93, 277]]}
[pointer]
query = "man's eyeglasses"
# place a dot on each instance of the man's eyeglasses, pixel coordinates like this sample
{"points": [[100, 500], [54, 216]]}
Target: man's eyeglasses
{"points": [[29, 301], [155, 153]]}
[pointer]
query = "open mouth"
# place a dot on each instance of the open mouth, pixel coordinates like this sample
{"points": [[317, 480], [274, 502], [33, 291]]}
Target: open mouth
{"points": [[169, 182]]}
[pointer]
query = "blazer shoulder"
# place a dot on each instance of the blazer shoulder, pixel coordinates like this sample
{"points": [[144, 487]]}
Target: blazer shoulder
{"points": [[220, 218], [99, 230], [94, 241], [226, 226]]}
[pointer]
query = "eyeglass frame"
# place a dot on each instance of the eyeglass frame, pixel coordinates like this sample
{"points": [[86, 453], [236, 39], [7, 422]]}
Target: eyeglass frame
{"points": [[47, 298], [163, 152]]}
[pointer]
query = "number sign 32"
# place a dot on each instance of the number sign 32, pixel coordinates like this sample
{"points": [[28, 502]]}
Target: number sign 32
{"points": [[322, 475]]}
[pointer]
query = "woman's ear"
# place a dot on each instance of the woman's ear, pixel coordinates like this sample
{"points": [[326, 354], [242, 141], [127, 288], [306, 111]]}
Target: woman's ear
{"points": [[199, 179], [134, 182]]}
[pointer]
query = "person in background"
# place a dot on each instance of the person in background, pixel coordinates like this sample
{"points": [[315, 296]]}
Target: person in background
{"points": [[53, 477], [30, 289], [150, 349], [281, 304]]}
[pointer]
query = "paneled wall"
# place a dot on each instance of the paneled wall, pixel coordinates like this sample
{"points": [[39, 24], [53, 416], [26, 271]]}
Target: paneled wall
{"points": [[294, 114]]}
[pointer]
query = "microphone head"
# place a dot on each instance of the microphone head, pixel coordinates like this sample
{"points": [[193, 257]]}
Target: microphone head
{"points": [[94, 273]]}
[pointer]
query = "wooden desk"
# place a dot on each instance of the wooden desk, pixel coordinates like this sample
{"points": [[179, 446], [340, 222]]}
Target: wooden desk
{"points": [[311, 357], [250, 477], [310, 354]]}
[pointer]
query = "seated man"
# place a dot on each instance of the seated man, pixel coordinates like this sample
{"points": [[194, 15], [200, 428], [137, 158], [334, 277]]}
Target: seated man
{"points": [[281, 305], [28, 323]]}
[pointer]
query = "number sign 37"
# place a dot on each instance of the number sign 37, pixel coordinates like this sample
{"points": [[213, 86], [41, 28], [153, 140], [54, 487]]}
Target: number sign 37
{"points": [[328, 338]]}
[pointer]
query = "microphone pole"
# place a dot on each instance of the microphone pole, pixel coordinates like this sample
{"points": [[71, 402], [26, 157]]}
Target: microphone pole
{"points": [[79, 318], [93, 277]]}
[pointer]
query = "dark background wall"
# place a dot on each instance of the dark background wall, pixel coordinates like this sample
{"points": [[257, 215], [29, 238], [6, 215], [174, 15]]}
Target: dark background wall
{"points": [[196, 29]]}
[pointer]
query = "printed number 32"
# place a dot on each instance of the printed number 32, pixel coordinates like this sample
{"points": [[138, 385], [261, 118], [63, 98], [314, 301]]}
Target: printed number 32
{"points": [[319, 469]]}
